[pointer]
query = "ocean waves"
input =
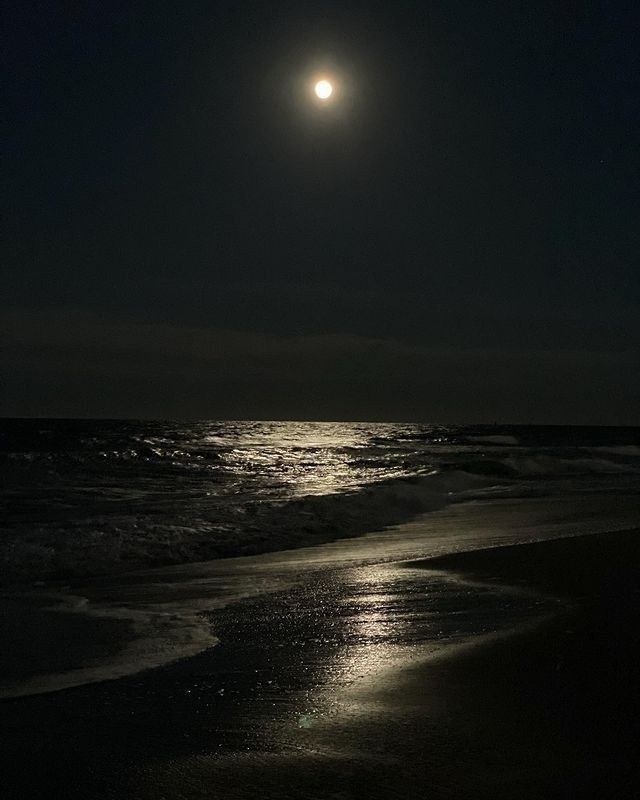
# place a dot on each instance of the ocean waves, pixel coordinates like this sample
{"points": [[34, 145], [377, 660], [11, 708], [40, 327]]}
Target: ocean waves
{"points": [[103, 544], [98, 497]]}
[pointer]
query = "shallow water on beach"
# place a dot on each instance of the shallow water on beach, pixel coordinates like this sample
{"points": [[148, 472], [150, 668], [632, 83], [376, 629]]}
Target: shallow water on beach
{"points": [[92, 507], [289, 664], [303, 691], [159, 616]]}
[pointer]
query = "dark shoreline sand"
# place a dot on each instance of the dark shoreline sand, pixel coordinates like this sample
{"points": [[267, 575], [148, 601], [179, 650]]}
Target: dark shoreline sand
{"points": [[553, 711], [546, 712], [592, 566]]}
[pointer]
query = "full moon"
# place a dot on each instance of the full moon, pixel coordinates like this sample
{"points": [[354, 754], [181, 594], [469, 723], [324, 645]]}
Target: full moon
{"points": [[323, 90]]}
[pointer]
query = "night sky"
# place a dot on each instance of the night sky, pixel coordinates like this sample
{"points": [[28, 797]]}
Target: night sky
{"points": [[455, 238]]}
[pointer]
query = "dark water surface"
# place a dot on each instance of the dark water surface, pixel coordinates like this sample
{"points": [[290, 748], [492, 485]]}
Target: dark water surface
{"points": [[83, 497], [274, 663]]}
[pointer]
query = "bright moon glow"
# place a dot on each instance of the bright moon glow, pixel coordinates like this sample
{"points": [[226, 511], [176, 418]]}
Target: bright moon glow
{"points": [[323, 90]]}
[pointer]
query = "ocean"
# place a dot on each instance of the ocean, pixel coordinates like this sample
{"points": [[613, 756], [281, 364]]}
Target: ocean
{"points": [[98, 497], [126, 544]]}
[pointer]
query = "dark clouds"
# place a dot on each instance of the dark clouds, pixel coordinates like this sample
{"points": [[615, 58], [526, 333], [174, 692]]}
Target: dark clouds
{"points": [[81, 365]]}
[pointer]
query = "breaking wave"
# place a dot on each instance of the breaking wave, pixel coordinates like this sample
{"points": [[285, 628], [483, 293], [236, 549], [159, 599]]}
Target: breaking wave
{"points": [[98, 497], [102, 545]]}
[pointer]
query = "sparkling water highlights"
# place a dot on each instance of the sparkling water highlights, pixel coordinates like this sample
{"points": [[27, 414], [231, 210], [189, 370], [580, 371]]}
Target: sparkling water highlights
{"points": [[84, 497]]}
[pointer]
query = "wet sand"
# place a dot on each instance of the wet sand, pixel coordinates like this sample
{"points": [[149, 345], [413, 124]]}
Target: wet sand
{"points": [[340, 704], [558, 706]]}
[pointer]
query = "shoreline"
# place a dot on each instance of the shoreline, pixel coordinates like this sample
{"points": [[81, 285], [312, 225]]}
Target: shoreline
{"points": [[284, 706], [563, 696], [113, 627], [582, 566]]}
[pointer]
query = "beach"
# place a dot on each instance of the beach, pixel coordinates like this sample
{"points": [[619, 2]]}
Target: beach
{"points": [[493, 672], [319, 419], [561, 700]]}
